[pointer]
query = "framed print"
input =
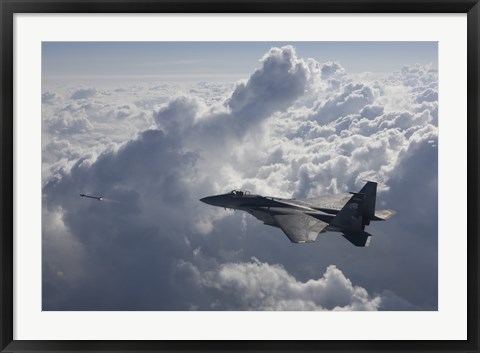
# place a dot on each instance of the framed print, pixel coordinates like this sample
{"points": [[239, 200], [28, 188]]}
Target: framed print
{"points": [[239, 176]]}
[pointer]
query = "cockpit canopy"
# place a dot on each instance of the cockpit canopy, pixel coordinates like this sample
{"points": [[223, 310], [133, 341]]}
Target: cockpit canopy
{"points": [[240, 192]]}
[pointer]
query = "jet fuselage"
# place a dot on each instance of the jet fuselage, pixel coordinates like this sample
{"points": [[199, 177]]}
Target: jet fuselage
{"points": [[302, 220]]}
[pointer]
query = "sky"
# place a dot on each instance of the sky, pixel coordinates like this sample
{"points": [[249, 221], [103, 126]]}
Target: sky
{"points": [[154, 127], [216, 60]]}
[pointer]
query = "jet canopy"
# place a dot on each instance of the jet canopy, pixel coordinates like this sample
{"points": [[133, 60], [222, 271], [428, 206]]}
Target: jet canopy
{"points": [[240, 193]]}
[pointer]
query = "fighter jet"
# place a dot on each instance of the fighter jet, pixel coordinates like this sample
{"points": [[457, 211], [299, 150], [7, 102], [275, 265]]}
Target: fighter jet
{"points": [[303, 220], [99, 198]]}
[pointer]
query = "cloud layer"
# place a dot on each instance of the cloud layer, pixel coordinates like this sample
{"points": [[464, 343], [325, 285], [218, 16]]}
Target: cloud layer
{"points": [[259, 286], [295, 127]]}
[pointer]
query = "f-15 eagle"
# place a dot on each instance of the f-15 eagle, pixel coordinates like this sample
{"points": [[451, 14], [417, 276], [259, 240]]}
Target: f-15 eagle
{"points": [[303, 220]]}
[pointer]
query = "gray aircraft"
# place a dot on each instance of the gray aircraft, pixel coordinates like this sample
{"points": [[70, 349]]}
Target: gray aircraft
{"points": [[303, 220]]}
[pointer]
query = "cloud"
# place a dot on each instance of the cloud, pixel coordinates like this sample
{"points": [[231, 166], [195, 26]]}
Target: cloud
{"points": [[294, 127], [49, 97], [148, 196], [260, 286], [353, 98], [281, 80], [83, 93], [179, 114], [67, 123], [415, 76], [428, 95], [371, 111], [72, 129], [330, 69]]}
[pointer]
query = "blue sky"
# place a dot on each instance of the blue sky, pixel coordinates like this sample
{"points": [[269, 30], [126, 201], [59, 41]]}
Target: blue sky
{"points": [[227, 60]]}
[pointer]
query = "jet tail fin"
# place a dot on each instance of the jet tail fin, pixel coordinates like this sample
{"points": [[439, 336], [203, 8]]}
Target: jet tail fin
{"points": [[359, 210], [350, 216], [360, 239], [357, 213], [370, 192]]}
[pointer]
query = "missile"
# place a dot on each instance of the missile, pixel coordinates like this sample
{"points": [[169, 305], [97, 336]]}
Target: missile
{"points": [[99, 198]]}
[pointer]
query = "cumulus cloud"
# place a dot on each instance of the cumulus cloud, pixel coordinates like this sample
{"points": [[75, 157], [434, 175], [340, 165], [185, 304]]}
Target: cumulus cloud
{"points": [[260, 286], [49, 97], [179, 114], [294, 127], [353, 98], [83, 93], [67, 123], [143, 186], [415, 76], [281, 80], [75, 128], [330, 69]]}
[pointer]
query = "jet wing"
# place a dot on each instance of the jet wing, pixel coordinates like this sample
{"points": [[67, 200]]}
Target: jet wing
{"points": [[300, 228], [335, 202]]}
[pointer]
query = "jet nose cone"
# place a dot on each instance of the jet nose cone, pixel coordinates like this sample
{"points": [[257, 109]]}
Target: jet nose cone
{"points": [[216, 200], [208, 200]]}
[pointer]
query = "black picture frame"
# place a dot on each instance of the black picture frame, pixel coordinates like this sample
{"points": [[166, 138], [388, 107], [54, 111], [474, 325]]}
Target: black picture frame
{"points": [[9, 7]]}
